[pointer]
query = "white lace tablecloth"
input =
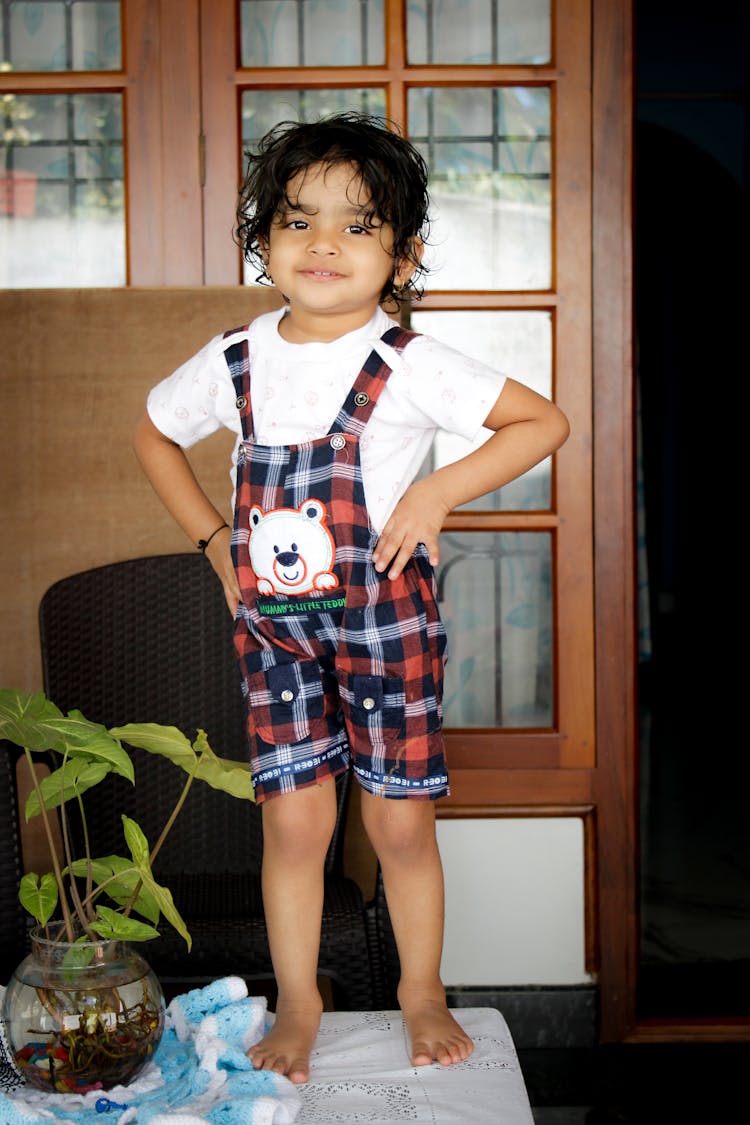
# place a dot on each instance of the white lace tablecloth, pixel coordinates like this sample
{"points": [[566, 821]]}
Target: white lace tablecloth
{"points": [[360, 1072]]}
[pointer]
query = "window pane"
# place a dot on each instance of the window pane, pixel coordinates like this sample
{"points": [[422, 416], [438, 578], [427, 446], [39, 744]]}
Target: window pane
{"points": [[478, 32], [315, 33], [262, 109], [495, 591], [68, 227], [520, 345], [61, 34], [489, 153]]}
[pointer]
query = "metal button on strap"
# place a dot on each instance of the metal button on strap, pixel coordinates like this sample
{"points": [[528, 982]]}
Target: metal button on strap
{"points": [[368, 703], [287, 695], [361, 399], [241, 402], [338, 441]]}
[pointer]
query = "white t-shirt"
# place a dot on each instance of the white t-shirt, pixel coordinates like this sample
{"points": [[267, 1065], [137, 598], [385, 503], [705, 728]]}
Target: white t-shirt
{"points": [[298, 389]]}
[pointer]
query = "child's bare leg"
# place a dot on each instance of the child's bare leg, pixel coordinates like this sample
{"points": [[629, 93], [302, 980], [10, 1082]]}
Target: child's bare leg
{"points": [[403, 835], [297, 829]]}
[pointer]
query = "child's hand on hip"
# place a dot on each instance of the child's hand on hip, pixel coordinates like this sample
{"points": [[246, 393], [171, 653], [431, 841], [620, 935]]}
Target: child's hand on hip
{"points": [[417, 518], [219, 554]]}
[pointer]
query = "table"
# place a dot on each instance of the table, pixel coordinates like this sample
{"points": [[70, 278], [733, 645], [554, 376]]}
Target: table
{"points": [[360, 1072]]}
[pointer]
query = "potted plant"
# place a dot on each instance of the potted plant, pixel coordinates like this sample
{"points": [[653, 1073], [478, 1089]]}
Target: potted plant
{"points": [[17, 187], [84, 1010]]}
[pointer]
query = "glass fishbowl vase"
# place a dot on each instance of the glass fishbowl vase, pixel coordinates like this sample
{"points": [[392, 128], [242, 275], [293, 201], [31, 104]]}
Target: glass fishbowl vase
{"points": [[82, 1016]]}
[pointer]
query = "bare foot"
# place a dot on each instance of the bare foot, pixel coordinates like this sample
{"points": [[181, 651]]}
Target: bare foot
{"points": [[287, 1046], [434, 1034]]}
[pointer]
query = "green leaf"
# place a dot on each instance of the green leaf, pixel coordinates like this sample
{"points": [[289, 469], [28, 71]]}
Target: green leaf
{"points": [[78, 956], [163, 897], [136, 841], [38, 895], [139, 849], [222, 773], [121, 877], [100, 745], [169, 742], [120, 890], [110, 924], [100, 869], [198, 760], [126, 879], [72, 778], [25, 717], [31, 720]]}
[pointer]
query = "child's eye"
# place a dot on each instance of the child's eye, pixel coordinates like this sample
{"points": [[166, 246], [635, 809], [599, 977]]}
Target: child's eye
{"points": [[357, 228], [297, 224]]}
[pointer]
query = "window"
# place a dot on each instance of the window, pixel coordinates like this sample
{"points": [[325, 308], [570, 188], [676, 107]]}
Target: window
{"points": [[62, 215]]}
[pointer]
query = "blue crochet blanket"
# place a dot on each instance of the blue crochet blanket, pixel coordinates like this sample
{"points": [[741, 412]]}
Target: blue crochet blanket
{"points": [[199, 1073]]}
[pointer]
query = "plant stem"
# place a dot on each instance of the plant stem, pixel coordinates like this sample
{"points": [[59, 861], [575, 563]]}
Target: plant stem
{"points": [[81, 913], [67, 919], [86, 846], [175, 811]]}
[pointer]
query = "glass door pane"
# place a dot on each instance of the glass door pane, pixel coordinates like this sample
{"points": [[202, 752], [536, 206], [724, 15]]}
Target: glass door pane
{"points": [[490, 157], [520, 345], [60, 34], [477, 32], [62, 219], [495, 592], [323, 33]]}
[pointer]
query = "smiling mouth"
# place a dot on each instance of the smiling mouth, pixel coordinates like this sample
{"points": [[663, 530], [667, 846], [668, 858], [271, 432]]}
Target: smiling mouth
{"points": [[325, 274]]}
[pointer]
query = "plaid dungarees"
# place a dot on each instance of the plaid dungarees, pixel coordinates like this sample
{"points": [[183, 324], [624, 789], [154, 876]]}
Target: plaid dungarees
{"points": [[340, 665]]}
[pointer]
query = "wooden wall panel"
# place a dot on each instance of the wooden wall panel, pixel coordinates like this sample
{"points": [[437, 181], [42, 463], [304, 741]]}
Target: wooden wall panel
{"points": [[76, 366]]}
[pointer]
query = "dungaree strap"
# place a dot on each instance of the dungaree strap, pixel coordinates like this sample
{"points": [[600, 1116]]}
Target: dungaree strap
{"points": [[237, 356], [367, 387]]}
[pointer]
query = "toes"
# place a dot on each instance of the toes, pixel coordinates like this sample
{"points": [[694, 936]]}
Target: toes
{"points": [[446, 1053], [298, 1072], [421, 1054]]}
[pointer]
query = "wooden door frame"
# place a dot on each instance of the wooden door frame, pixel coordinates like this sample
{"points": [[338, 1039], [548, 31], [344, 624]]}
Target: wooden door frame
{"points": [[614, 571], [615, 577]]}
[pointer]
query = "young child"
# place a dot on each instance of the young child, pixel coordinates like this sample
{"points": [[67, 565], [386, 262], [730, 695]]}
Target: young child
{"points": [[329, 575]]}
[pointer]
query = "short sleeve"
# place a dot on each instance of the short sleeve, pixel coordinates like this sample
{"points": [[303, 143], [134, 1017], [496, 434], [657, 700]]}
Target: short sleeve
{"points": [[453, 390], [197, 399]]}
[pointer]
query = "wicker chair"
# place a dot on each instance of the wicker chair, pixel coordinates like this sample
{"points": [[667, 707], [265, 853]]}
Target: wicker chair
{"points": [[14, 921], [149, 640]]}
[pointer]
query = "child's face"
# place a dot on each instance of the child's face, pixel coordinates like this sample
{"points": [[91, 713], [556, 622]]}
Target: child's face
{"points": [[328, 263]]}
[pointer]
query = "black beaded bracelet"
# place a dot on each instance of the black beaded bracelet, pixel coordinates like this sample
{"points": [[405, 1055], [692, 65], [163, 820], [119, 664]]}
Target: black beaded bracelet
{"points": [[203, 543]]}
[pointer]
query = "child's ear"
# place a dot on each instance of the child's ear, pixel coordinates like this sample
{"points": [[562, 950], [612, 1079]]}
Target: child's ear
{"points": [[406, 266]]}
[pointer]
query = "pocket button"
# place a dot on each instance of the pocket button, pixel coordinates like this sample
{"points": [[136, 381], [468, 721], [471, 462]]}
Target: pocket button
{"points": [[287, 695], [368, 703]]}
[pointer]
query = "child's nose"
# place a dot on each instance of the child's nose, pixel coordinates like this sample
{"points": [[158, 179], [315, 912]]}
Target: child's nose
{"points": [[323, 242]]}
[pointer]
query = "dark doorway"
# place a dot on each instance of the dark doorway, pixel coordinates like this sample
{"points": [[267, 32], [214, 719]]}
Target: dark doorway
{"points": [[691, 329]]}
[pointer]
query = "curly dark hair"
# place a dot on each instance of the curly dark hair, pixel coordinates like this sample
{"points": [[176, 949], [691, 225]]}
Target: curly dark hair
{"points": [[392, 170]]}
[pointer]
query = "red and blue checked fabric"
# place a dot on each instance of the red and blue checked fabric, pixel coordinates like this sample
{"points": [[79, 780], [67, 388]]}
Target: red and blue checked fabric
{"points": [[339, 663]]}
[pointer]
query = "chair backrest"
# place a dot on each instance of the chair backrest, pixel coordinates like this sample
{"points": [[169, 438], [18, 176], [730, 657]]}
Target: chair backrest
{"points": [[13, 919], [150, 640]]}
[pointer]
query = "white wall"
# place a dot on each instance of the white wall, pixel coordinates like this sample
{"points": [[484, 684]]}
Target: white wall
{"points": [[514, 901]]}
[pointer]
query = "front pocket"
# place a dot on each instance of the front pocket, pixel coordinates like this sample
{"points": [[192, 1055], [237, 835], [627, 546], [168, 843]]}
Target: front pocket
{"points": [[373, 706], [284, 700]]}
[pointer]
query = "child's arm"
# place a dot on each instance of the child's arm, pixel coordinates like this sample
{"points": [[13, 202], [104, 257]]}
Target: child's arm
{"points": [[528, 427], [172, 478]]}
